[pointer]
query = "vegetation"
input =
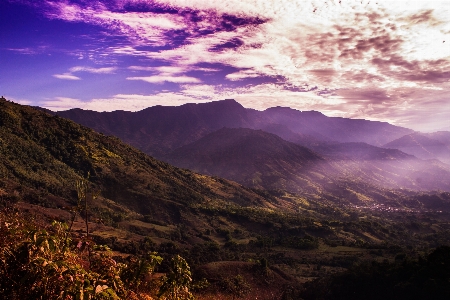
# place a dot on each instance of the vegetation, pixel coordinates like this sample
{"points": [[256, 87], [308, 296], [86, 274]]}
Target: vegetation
{"points": [[43, 263], [159, 231], [424, 278]]}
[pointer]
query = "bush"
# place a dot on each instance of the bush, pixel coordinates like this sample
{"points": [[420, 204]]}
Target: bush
{"points": [[38, 262]]}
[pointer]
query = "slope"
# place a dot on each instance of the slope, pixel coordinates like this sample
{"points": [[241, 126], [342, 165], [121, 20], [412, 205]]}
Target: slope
{"points": [[254, 158], [424, 145], [334, 128], [343, 172], [46, 155]]}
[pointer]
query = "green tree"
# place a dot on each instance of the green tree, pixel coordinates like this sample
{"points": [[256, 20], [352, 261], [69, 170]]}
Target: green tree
{"points": [[177, 282]]}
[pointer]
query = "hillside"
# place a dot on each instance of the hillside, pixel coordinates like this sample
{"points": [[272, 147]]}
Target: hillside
{"points": [[338, 171], [360, 152], [254, 158], [424, 145], [335, 129], [49, 154]]}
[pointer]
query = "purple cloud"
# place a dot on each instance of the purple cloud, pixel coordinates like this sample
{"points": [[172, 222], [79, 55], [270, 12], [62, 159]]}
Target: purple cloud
{"points": [[359, 59]]}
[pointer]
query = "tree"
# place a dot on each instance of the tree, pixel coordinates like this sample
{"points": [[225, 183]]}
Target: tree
{"points": [[177, 282]]}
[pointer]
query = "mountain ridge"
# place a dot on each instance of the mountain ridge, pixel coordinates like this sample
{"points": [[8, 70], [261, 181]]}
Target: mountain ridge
{"points": [[424, 145], [160, 129]]}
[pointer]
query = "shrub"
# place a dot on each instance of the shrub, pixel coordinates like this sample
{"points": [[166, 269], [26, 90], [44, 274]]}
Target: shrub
{"points": [[38, 262]]}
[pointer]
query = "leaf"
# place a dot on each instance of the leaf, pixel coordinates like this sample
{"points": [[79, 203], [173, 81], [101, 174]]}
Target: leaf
{"points": [[51, 245], [100, 288]]}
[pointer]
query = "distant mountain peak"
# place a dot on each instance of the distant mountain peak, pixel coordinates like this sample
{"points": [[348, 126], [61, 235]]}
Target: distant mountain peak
{"points": [[424, 145], [289, 109], [414, 139], [229, 103]]}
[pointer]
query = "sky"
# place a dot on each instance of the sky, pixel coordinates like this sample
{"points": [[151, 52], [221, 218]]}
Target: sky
{"points": [[384, 60]]}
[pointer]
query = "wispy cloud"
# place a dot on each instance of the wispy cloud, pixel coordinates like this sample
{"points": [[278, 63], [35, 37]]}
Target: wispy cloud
{"points": [[27, 50], [129, 102], [70, 76], [66, 76], [243, 74], [104, 70], [166, 78], [173, 74]]}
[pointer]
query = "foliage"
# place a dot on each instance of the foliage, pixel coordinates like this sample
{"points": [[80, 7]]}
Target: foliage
{"points": [[39, 266], [44, 263], [138, 269], [236, 286], [177, 283]]}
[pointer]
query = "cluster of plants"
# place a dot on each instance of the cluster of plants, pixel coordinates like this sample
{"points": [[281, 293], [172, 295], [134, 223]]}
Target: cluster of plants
{"points": [[47, 262]]}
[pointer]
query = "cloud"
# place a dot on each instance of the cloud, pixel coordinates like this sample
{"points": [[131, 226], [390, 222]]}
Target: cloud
{"points": [[371, 59], [173, 74], [141, 68], [243, 74], [29, 51], [104, 70], [172, 69], [62, 103], [66, 76], [423, 17], [128, 102], [70, 76], [166, 78]]}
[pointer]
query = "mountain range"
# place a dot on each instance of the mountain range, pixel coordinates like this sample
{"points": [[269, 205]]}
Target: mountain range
{"points": [[263, 206], [46, 154], [300, 212], [160, 129], [43, 156], [304, 152]]}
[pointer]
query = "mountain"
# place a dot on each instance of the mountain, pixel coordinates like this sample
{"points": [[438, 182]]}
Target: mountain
{"points": [[424, 145], [359, 152], [335, 129], [355, 172], [254, 158], [160, 129], [441, 136], [353, 161], [43, 156], [298, 138], [235, 237]]}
